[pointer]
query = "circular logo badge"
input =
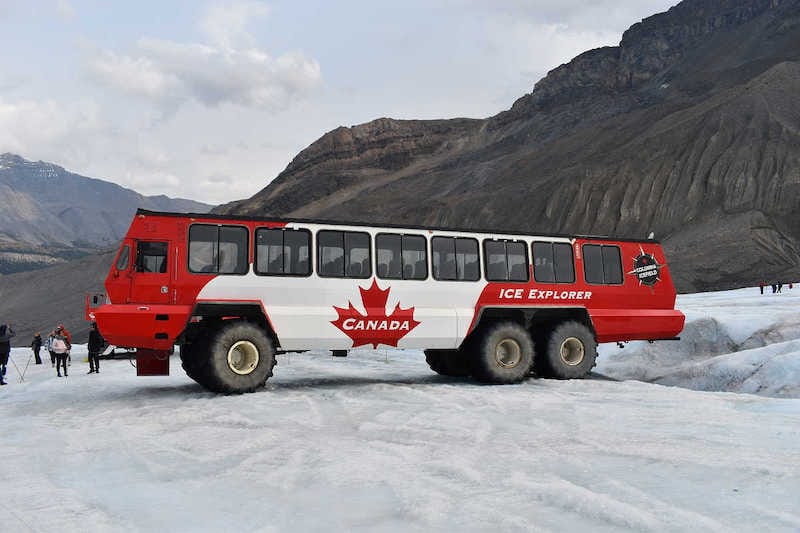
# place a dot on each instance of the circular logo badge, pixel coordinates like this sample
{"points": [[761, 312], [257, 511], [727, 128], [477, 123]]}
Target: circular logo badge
{"points": [[646, 269]]}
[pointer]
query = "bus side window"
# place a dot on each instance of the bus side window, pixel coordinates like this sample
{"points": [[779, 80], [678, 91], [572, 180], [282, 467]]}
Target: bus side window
{"points": [[330, 254], [401, 256], [357, 254], [283, 252], [388, 254], [455, 259], [415, 257], [343, 254], [233, 250], [218, 249], [505, 260], [553, 262], [444, 258], [203, 248], [494, 256], [602, 264]]}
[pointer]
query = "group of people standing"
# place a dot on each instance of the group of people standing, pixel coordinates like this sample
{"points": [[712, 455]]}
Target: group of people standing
{"points": [[776, 287], [58, 343]]}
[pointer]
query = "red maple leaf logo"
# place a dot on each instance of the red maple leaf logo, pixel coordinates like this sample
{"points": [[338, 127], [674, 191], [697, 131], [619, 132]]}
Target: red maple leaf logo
{"points": [[376, 327]]}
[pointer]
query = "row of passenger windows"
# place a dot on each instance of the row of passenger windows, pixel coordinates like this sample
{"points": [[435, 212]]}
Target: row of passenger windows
{"points": [[348, 254]]}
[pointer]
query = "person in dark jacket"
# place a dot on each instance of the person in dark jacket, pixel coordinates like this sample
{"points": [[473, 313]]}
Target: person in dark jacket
{"points": [[96, 343], [5, 349], [36, 345]]}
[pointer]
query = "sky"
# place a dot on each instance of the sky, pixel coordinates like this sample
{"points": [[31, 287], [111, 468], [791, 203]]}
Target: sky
{"points": [[211, 100]]}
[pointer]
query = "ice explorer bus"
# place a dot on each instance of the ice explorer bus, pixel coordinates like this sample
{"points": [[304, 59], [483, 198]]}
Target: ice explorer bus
{"points": [[235, 291]]}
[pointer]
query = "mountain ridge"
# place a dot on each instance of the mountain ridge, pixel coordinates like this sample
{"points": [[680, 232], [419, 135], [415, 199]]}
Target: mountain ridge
{"points": [[646, 136], [48, 214]]}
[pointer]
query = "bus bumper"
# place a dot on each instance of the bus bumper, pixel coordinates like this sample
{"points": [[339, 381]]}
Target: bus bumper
{"points": [[141, 326]]}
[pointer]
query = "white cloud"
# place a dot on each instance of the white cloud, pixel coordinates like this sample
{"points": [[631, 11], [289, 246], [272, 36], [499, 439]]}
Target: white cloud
{"points": [[50, 127], [65, 9], [135, 75], [169, 73], [226, 24]]}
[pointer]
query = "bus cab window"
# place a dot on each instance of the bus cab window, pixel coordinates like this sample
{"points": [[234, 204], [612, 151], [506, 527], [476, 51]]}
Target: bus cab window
{"points": [[151, 257], [124, 257]]}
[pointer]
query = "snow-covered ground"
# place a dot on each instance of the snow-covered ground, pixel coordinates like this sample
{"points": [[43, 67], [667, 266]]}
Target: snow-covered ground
{"points": [[377, 442]]}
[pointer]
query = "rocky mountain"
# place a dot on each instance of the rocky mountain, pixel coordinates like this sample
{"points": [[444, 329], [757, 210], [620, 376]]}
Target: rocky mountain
{"points": [[690, 128], [49, 215], [41, 299]]}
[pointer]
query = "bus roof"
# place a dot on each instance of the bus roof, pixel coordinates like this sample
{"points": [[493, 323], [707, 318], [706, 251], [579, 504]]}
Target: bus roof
{"points": [[251, 218]]}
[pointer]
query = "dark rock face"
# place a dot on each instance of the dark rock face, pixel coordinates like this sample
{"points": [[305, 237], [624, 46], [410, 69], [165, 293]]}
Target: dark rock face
{"points": [[40, 300], [690, 129], [48, 215]]}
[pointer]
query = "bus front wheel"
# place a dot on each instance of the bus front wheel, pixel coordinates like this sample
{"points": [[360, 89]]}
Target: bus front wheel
{"points": [[240, 358]]}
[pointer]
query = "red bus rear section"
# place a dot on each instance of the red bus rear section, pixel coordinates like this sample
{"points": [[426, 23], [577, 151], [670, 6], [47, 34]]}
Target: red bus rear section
{"points": [[232, 292]]}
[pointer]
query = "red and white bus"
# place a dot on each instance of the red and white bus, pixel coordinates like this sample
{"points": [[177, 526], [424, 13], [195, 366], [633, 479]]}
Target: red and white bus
{"points": [[498, 306]]}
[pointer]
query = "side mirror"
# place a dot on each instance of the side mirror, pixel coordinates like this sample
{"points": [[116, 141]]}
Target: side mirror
{"points": [[116, 273]]}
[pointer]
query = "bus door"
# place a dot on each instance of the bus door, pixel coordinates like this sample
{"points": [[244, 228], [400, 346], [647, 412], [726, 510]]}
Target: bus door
{"points": [[150, 281]]}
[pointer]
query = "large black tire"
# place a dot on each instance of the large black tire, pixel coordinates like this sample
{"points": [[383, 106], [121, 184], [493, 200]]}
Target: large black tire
{"points": [[571, 351], [191, 360], [239, 358], [503, 353], [453, 363]]}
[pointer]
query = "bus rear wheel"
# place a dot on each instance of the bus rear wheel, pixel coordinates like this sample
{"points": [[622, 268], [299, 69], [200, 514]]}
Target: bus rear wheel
{"points": [[571, 351], [240, 359], [503, 353], [453, 363]]}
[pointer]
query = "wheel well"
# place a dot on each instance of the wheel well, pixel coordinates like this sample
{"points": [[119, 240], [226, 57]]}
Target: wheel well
{"points": [[208, 316], [538, 320], [547, 319]]}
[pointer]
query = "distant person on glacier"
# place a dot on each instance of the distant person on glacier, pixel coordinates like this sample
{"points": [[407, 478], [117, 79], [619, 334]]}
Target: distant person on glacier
{"points": [[5, 349], [65, 332], [49, 345], [95, 346], [61, 345], [36, 345]]}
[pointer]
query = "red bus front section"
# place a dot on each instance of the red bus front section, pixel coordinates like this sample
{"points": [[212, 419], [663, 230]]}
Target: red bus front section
{"points": [[151, 296]]}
